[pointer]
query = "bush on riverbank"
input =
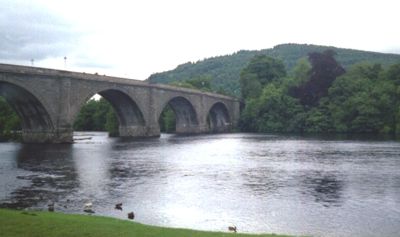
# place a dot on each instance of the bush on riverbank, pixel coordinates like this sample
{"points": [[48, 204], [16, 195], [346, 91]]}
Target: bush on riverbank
{"points": [[29, 223]]}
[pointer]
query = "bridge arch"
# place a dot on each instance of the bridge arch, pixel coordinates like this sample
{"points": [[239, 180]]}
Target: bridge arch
{"points": [[186, 120], [130, 117], [36, 123], [219, 119]]}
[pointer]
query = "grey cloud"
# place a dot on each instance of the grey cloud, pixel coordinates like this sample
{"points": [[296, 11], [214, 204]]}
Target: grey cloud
{"points": [[30, 31]]}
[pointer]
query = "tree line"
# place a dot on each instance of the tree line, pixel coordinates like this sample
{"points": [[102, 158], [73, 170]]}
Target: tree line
{"points": [[320, 96]]}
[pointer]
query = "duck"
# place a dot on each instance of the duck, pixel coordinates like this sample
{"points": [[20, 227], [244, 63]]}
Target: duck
{"points": [[118, 206], [232, 228], [88, 208], [50, 207], [131, 215]]}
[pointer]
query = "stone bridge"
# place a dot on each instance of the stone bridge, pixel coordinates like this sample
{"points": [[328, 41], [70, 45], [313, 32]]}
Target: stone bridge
{"points": [[48, 101]]}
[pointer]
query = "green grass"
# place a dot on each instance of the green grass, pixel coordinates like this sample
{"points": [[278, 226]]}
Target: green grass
{"points": [[32, 223]]}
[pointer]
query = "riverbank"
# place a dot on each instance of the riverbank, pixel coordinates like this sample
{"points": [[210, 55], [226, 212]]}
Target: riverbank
{"points": [[33, 223]]}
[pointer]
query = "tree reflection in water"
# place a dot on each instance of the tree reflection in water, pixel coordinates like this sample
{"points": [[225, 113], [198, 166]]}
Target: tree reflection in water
{"points": [[325, 187]]}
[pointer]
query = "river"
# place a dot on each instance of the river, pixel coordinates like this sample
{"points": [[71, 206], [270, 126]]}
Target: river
{"points": [[260, 183]]}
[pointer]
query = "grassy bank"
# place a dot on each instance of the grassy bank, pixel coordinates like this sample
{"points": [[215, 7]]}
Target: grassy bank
{"points": [[29, 223]]}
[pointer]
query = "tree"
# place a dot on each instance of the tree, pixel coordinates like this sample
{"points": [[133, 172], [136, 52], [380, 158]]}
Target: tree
{"points": [[112, 124], [323, 72], [167, 120], [393, 75], [97, 115], [278, 112], [273, 111], [269, 108], [301, 71], [9, 120], [319, 119], [362, 101], [259, 72], [250, 86], [202, 83], [85, 118]]}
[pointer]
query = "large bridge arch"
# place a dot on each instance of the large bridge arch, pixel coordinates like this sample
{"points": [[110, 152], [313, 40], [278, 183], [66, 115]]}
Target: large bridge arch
{"points": [[218, 118], [130, 116], [36, 123], [185, 114]]}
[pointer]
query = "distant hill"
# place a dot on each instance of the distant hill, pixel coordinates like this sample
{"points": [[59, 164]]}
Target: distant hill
{"points": [[224, 71]]}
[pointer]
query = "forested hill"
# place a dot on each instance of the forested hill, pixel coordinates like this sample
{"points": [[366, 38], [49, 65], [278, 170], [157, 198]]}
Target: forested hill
{"points": [[224, 71]]}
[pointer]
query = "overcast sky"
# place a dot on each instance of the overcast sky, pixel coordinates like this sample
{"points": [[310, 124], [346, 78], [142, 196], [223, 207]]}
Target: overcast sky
{"points": [[137, 38]]}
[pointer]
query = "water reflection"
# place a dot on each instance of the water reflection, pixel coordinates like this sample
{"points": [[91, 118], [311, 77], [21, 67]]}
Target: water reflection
{"points": [[325, 187], [263, 181]]}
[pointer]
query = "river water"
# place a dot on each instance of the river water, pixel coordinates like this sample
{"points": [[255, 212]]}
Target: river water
{"points": [[260, 183]]}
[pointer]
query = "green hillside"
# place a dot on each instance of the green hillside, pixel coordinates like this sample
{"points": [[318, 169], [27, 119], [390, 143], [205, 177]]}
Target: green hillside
{"points": [[224, 71]]}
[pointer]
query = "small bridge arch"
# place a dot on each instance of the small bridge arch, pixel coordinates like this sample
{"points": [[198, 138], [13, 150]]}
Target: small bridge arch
{"points": [[219, 119], [186, 117]]}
